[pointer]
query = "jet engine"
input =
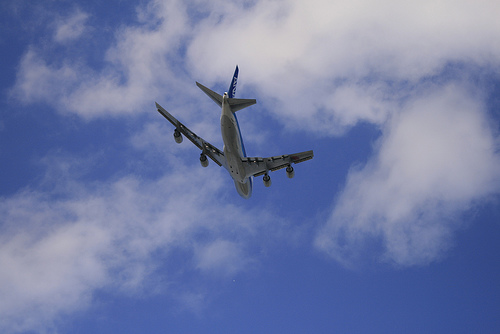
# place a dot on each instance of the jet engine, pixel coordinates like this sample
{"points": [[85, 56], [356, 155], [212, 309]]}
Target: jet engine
{"points": [[290, 172], [267, 180], [203, 160], [177, 136]]}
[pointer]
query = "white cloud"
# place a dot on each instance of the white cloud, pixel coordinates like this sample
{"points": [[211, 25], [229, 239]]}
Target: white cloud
{"points": [[138, 67], [323, 39], [436, 160], [221, 255], [39, 82], [307, 56], [57, 249], [70, 28]]}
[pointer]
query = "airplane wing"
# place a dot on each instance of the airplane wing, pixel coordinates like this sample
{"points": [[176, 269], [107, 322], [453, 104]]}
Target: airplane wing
{"points": [[208, 149], [260, 166]]}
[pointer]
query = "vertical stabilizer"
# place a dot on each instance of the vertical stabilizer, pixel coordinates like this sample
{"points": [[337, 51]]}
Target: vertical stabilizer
{"points": [[232, 88]]}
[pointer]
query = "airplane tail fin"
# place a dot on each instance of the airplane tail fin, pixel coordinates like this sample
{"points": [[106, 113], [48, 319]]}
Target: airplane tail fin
{"points": [[232, 88], [236, 104]]}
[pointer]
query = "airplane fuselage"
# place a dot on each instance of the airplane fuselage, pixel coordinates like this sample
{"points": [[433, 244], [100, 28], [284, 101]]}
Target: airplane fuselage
{"points": [[234, 149], [233, 156]]}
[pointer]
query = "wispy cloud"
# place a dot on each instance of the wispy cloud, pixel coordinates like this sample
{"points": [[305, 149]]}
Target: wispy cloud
{"points": [[137, 66], [221, 256], [328, 65], [71, 27], [437, 158], [39, 82], [57, 248]]}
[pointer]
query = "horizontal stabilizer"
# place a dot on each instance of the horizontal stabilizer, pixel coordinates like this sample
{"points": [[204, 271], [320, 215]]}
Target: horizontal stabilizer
{"points": [[217, 98], [238, 104]]}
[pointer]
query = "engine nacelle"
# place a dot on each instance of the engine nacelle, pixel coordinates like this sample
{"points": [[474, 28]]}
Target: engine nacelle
{"points": [[203, 160], [267, 180], [290, 172], [177, 136]]}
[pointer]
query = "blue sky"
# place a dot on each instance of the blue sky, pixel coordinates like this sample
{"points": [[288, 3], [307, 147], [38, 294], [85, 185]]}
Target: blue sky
{"points": [[107, 225]]}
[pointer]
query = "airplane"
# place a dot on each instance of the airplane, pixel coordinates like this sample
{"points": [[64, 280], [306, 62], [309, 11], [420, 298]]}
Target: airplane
{"points": [[233, 156]]}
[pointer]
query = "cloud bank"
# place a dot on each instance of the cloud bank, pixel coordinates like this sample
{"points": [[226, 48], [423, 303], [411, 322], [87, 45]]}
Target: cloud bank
{"points": [[330, 65], [438, 157], [327, 65]]}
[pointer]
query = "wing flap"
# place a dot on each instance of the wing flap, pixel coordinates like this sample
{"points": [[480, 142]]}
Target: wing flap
{"points": [[303, 159]]}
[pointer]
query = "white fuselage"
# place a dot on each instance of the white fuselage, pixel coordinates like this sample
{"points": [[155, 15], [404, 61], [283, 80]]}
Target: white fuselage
{"points": [[234, 149]]}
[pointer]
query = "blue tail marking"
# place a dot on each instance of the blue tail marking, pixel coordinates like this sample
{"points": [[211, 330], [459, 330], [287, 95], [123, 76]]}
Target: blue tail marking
{"points": [[231, 93], [232, 88]]}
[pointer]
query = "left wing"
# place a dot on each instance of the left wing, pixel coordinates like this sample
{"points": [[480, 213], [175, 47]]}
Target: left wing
{"points": [[208, 149], [260, 166]]}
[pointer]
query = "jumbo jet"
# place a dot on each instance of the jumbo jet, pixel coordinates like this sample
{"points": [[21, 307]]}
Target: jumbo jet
{"points": [[233, 156]]}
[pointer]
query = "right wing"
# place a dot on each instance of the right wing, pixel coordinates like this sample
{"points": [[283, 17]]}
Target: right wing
{"points": [[208, 149], [260, 166]]}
